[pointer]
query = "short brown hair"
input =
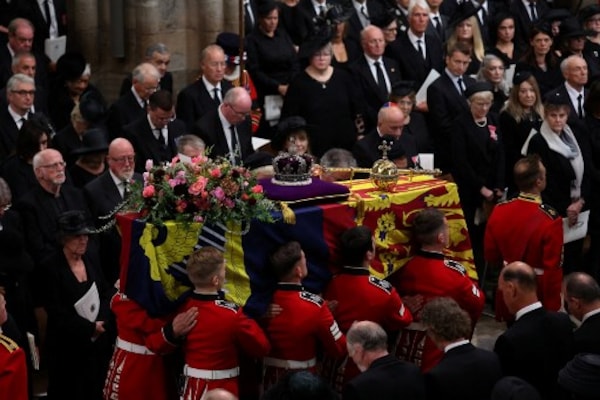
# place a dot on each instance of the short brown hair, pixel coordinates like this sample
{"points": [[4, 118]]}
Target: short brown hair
{"points": [[203, 264], [444, 318], [428, 224], [284, 259]]}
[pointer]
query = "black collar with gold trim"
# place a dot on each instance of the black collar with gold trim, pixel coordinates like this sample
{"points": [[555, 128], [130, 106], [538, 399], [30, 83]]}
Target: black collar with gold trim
{"points": [[430, 254], [289, 286]]}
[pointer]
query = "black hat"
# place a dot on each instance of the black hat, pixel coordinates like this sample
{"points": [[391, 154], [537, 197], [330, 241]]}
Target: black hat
{"points": [[316, 42], [70, 66], [230, 43], [520, 77], [588, 12], [404, 88], [513, 388], [74, 222], [463, 11], [478, 87], [581, 376], [337, 13], [556, 99], [92, 107], [93, 141], [286, 126], [383, 19], [571, 28]]}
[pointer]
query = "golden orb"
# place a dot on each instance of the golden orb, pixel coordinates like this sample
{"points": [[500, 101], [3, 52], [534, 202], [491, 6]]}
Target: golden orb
{"points": [[384, 174]]}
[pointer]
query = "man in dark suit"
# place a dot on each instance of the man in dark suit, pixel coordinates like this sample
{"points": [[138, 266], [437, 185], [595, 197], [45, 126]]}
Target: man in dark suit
{"points": [[25, 63], [375, 74], [104, 194], [575, 71], [527, 13], [51, 26], [582, 300], [446, 100], [449, 327], [207, 92], [390, 122], [416, 51], [20, 39], [158, 55], [20, 92], [538, 344], [132, 105], [227, 130], [383, 376], [153, 136], [438, 22], [250, 16], [365, 12]]}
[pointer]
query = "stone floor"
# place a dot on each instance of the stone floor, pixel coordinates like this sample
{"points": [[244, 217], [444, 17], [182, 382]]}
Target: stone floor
{"points": [[487, 330]]}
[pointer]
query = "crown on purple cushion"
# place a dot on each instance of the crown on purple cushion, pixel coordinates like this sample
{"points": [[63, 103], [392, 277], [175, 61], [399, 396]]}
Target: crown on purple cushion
{"points": [[292, 169]]}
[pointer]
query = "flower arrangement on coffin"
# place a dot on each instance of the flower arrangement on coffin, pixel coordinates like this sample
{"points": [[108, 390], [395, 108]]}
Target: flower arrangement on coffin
{"points": [[201, 191]]}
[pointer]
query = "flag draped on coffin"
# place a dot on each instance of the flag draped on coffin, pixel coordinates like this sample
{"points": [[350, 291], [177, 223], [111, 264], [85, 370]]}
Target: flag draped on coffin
{"points": [[153, 259]]}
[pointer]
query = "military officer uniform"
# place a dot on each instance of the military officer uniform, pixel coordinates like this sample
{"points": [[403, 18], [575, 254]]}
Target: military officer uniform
{"points": [[13, 366], [430, 275], [524, 229]]}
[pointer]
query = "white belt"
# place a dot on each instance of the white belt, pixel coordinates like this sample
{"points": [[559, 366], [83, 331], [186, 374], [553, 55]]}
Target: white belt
{"points": [[211, 374], [132, 347], [289, 364]]}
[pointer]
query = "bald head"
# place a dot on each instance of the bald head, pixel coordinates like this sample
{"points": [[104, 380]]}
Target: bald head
{"points": [[219, 394], [391, 121], [518, 285], [121, 158]]}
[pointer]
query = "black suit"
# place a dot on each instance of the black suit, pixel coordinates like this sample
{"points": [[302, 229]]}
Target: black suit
{"points": [[194, 101], [248, 23], [124, 111], [31, 11], [354, 27], [464, 373], [412, 65], [535, 348], [523, 21], [386, 378], [147, 147], [445, 103], [366, 150], [8, 133], [102, 196], [373, 96], [574, 121], [586, 338], [210, 129], [41, 67], [431, 29]]}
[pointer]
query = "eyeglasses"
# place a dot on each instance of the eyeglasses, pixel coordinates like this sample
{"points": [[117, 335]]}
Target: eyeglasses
{"points": [[240, 113], [55, 166], [24, 92], [122, 160]]}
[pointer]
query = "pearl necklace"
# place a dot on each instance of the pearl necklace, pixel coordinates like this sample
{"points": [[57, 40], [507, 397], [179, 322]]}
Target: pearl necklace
{"points": [[481, 124]]}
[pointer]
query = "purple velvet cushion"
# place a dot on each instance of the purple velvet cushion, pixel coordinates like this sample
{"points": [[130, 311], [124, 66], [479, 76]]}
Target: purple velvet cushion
{"points": [[317, 192]]}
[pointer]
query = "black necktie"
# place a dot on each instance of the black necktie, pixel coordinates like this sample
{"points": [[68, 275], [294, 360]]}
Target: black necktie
{"points": [[364, 13], [579, 106], [533, 11], [380, 77], [460, 85], [322, 11], [438, 27], [48, 15], [234, 154], [159, 136], [216, 96], [419, 41], [483, 16], [126, 189]]}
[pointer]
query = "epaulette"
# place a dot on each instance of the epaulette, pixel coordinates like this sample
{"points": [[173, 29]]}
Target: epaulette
{"points": [[458, 267], [549, 210], [313, 298], [381, 284], [227, 304], [8, 343]]}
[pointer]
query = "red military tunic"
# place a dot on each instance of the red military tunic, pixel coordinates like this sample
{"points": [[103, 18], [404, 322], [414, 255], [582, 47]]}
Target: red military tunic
{"points": [[212, 346], [430, 275], [13, 370], [524, 229], [137, 368], [361, 296], [304, 323]]}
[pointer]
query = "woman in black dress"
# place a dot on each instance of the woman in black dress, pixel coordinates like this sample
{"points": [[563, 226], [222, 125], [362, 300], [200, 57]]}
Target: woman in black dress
{"points": [[77, 302], [522, 113], [478, 156], [502, 35], [326, 98], [567, 186]]}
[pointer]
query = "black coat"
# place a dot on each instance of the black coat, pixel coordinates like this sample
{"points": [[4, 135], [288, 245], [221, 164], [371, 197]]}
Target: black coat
{"points": [[210, 129], [586, 338], [123, 112], [31, 11], [535, 348], [147, 147], [194, 101], [8, 133], [412, 65], [523, 22], [387, 378], [464, 373], [366, 150]]}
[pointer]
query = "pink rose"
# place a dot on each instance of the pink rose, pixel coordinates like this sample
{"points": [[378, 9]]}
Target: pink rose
{"points": [[257, 189], [149, 164], [148, 191], [215, 173], [219, 193], [493, 134], [197, 187]]}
